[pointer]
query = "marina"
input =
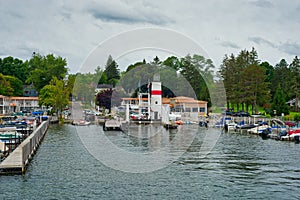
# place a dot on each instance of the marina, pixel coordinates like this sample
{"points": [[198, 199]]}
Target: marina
{"points": [[17, 161], [171, 148]]}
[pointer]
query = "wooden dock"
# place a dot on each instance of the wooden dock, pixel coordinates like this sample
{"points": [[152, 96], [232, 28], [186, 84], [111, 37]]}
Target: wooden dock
{"points": [[112, 125], [17, 161]]}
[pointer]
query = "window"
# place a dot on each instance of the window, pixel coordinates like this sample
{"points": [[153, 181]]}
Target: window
{"points": [[195, 109], [202, 109], [187, 109]]}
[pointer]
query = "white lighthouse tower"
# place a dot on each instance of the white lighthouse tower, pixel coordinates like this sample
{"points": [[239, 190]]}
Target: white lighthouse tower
{"points": [[156, 98]]}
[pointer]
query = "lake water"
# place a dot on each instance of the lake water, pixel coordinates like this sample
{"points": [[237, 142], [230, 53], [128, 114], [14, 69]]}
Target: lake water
{"points": [[240, 166]]}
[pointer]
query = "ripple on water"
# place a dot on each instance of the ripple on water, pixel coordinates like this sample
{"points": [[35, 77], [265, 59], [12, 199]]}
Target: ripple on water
{"points": [[238, 167]]}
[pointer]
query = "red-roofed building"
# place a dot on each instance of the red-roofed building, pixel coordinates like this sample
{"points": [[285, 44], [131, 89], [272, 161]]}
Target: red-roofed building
{"points": [[17, 104], [177, 104]]}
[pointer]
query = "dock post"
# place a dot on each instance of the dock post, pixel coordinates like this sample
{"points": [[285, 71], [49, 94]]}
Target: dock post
{"points": [[127, 113], [23, 161]]}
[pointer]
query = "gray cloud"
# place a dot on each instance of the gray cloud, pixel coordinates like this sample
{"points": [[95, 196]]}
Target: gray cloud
{"points": [[74, 29], [287, 47], [128, 13], [262, 3], [290, 48], [127, 18], [260, 40], [230, 45]]}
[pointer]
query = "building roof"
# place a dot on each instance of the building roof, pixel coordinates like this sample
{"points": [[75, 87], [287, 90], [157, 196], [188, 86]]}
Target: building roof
{"points": [[100, 86], [25, 98], [187, 100], [180, 99]]}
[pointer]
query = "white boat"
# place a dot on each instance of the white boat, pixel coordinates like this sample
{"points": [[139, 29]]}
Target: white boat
{"points": [[231, 126], [258, 129], [81, 123]]}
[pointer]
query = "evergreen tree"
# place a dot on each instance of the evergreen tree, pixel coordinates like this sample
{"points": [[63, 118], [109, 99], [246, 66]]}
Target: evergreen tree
{"points": [[112, 72], [255, 89], [295, 80], [234, 70], [282, 78], [279, 103]]}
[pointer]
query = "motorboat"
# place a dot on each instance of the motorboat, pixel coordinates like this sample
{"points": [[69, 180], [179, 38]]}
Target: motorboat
{"points": [[81, 123], [258, 129]]}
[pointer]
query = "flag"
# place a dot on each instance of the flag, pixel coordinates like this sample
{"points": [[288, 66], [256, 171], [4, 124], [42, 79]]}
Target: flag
{"points": [[139, 85], [148, 84]]}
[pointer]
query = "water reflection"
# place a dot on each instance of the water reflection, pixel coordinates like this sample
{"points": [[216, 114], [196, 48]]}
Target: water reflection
{"points": [[238, 167]]}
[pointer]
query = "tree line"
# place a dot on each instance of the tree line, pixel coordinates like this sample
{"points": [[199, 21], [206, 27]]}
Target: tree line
{"points": [[46, 73], [250, 84]]}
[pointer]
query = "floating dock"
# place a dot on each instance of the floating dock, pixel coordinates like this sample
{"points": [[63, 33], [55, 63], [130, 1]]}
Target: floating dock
{"points": [[112, 125], [17, 161]]}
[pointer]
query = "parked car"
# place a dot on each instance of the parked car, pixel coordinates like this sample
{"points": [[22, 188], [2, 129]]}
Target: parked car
{"points": [[241, 114]]}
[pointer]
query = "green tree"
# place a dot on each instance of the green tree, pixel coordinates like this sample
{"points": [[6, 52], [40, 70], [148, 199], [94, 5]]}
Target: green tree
{"points": [[5, 86], [44, 68], [282, 79], [16, 85], [14, 67], [233, 75], [295, 80], [132, 66], [279, 103], [84, 87], [156, 61], [100, 76], [55, 95], [255, 88], [228, 73], [111, 71], [70, 84], [198, 72], [269, 79], [173, 62]]}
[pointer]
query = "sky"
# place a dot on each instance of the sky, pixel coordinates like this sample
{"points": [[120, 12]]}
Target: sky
{"points": [[74, 29]]}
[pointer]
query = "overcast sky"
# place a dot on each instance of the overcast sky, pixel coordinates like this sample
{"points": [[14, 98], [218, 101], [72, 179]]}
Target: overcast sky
{"points": [[72, 29]]}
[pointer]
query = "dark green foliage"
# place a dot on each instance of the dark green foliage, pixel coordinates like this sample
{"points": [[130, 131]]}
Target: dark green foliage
{"points": [[14, 67], [55, 94], [44, 68], [173, 62], [295, 80], [245, 80], [297, 117], [16, 85], [279, 103], [111, 71], [5, 86]]}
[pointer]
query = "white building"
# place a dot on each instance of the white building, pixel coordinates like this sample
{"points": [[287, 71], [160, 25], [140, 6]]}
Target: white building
{"points": [[17, 104]]}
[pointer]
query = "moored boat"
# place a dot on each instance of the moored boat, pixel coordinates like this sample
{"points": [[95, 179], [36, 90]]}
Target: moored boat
{"points": [[81, 123]]}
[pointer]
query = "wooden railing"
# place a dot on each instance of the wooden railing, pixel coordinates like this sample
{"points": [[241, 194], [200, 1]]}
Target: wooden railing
{"points": [[30, 145]]}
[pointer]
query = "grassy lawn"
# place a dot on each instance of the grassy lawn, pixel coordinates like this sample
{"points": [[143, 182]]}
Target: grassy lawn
{"points": [[292, 116]]}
